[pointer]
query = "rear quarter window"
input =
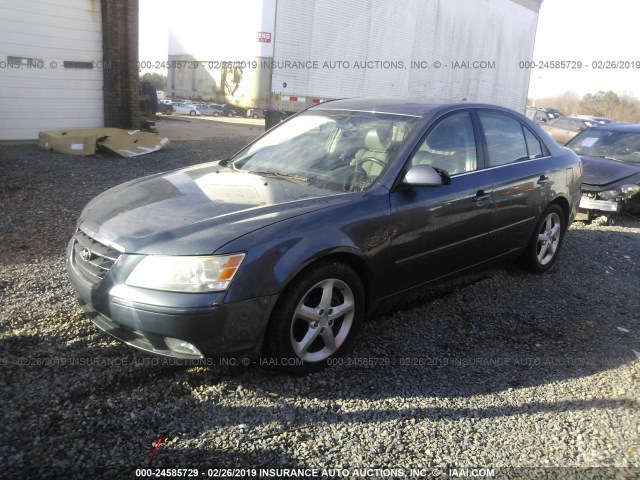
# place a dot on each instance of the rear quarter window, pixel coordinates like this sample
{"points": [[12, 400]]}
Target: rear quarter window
{"points": [[534, 147]]}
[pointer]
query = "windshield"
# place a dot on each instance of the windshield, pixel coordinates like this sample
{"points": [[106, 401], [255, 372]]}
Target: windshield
{"points": [[623, 146], [335, 150]]}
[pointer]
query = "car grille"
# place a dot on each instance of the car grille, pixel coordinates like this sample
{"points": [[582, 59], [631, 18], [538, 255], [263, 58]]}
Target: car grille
{"points": [[93, 267]]}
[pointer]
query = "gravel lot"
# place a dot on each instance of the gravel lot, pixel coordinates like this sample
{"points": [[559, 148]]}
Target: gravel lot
{"points": [[499, 370]]}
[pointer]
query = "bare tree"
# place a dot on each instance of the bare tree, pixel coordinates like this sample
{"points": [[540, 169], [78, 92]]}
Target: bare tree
{"points": [[157, 80], [600, 104], [628, 110]]}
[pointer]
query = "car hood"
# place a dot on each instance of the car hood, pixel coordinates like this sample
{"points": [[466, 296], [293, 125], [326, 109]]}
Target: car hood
{"points": [[601, 172], [196, 211]]}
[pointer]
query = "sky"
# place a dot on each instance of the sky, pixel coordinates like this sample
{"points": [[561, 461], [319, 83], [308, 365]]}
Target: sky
{"points": [[153, 36], [594, 32], [587, 31]]}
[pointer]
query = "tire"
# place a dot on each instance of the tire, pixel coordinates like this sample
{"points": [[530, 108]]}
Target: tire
{"points": [[305, 333], [254, 116], [192, 113], [544, 246], [216, 114]]}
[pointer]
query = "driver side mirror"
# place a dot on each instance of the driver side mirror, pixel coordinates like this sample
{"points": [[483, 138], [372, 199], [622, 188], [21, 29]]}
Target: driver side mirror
{"points": [[425, 176]]}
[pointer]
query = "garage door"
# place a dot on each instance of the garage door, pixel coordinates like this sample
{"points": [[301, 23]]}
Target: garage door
{"points": [[50, 66]]}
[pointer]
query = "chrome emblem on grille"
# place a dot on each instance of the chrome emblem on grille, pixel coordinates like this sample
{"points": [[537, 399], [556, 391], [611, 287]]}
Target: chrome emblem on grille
{"points": [[85, 253]]}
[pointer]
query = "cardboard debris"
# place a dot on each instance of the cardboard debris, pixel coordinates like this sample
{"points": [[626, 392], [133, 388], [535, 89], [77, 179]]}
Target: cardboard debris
{"points": [[73, 142], [86, 141]]}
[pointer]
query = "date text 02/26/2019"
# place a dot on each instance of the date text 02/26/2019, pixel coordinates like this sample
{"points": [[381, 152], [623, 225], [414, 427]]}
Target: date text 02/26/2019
{"points": [[579, 64]]}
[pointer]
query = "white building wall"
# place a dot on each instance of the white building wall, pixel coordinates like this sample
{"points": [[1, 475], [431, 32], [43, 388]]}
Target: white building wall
{"points": [[37, 92]]}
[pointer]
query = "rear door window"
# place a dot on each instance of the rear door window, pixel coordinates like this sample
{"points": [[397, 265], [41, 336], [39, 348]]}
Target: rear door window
{"points": [[505, 139]]}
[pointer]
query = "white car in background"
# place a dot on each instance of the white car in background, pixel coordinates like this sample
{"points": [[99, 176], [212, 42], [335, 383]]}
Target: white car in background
{"points": [[186, 109]]}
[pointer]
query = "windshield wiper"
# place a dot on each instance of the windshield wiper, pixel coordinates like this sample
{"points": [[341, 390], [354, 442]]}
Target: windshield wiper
{"points": [[287, 176]]}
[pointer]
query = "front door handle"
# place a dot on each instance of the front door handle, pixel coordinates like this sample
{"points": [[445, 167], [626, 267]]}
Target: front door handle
{"points": [[480, 198]]}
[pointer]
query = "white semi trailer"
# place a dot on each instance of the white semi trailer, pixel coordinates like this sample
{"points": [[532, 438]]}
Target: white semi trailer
{"points": [[289, 54]]}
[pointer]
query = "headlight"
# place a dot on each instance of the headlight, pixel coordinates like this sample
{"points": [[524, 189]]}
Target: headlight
{"points": [[623, 191], [186, 274], [630, 190]]}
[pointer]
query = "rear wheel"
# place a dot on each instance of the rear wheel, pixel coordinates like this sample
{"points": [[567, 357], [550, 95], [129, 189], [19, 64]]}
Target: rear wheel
{"points": [[545, 244], [192, 113], [316, 319]]}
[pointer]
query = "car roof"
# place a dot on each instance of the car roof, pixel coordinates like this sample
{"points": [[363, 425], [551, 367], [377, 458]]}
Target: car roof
{"points": [[570, 119], [619, 127], [400, 106]]}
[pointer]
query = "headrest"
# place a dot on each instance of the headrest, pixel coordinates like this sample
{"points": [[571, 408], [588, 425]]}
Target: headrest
{"points": [[372, 141]]}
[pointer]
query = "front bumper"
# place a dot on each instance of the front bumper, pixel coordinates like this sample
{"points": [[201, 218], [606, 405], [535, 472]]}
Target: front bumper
{"points": [[156, 322], [609, 206]]}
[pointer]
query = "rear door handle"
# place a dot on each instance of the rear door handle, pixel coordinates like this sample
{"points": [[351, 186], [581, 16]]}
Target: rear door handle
{"points": [[480, 198]]}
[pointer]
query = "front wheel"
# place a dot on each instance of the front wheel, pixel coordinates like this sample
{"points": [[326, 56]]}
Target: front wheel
{"points": [[192, 113], [545, 244], [316, 319]]}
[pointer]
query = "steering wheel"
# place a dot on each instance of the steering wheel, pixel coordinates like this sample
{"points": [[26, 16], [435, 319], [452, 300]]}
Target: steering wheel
{"points": [[359, 178], [370, 159]]}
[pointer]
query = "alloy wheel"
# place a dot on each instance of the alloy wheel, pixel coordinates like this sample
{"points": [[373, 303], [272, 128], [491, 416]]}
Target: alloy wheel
{"points": [[322, 320], [549, 238]]}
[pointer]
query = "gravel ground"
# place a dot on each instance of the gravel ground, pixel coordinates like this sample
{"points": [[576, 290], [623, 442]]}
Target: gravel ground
{"points": [[535, 376]]}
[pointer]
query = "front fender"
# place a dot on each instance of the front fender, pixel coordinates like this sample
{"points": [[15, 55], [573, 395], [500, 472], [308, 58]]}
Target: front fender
{"points": [[276, 254]]}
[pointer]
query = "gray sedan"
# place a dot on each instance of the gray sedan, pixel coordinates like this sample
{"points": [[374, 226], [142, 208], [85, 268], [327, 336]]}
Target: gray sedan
{"points": [[212, 110], [563, 129], [282, 250]]}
